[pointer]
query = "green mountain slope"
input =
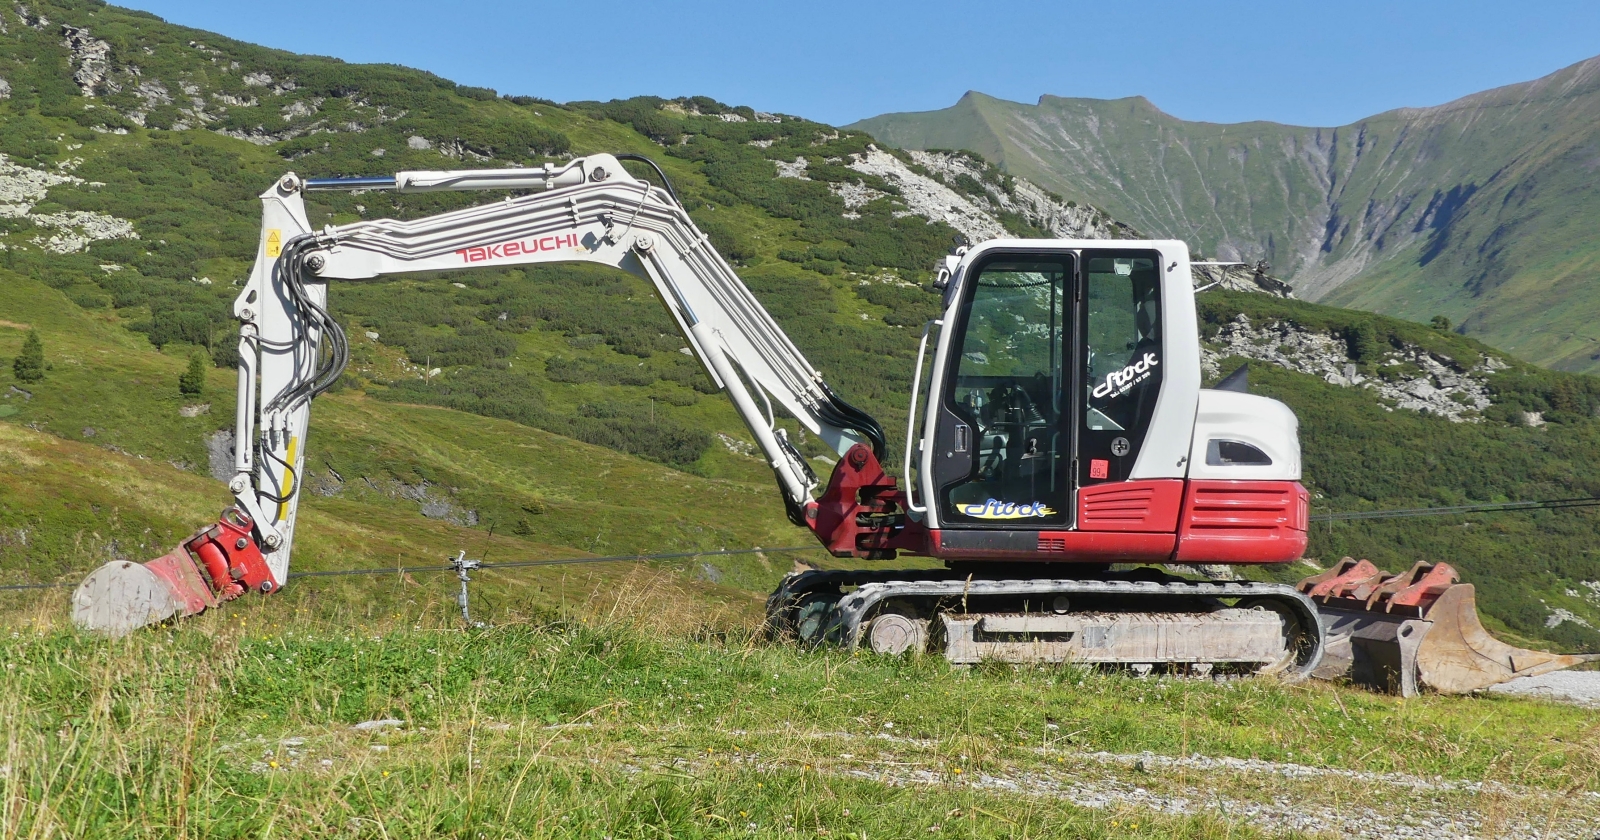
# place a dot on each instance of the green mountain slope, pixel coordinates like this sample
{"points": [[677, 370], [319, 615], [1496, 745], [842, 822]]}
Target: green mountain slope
{"points": [[101, 463], [1480, 209], [554, 406]]}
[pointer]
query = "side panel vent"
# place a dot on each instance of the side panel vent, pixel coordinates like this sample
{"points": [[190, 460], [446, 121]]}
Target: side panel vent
{"points": [[1142, 506]]}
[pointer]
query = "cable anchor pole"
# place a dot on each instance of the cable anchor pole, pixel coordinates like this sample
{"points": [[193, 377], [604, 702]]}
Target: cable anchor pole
{"points": [[462, 567]]}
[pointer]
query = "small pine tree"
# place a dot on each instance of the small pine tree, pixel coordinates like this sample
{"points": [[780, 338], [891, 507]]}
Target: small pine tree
{"points": [[193, 380], [1365, 342], [29, 364]]}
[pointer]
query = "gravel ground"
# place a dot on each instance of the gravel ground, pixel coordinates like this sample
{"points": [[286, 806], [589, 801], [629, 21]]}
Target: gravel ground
{"points": [[1383, 817], [1580, 688], [1301, 798]]}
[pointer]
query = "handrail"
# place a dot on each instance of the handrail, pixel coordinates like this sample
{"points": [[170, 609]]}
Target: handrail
{"points": [[911, 417]]}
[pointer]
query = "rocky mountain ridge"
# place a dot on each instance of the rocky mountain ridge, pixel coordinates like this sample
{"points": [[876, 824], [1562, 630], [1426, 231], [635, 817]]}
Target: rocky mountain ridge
{"points": [[1478, 209]]}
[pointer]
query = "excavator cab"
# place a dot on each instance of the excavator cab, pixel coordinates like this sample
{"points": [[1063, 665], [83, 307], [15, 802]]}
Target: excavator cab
{"points": [[1051, 383], [1062, 415]]}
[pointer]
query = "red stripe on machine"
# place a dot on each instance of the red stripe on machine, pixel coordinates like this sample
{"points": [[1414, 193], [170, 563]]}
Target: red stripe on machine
{"points": [[1131, 506]]}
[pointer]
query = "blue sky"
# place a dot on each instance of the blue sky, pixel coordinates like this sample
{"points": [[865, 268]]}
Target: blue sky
{"points": [[1290, 61]]}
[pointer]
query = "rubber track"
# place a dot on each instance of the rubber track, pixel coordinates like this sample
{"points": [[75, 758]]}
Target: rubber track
{"points": [[873, 587]]}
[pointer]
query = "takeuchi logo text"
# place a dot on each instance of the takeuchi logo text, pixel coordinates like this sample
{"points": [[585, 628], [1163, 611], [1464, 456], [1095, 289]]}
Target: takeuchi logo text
{"points": [[518, 247], [1118, 382], [996, 509]]}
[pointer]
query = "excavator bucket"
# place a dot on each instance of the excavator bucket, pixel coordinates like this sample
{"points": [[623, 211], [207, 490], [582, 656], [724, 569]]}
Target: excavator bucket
{"points": [[123, 596], [1399, 633], [218, 563], [1458, 655]]}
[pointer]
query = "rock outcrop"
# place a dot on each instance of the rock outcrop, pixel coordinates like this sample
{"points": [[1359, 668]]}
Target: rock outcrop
{"points": [[976, 210], [22, 187], [91, 58], [1241, 278], [1409, 378], [961, 191], [1006, 194]]}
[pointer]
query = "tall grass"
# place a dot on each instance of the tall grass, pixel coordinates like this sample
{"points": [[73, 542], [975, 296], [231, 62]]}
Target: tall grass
{"points": [[630, 711]]}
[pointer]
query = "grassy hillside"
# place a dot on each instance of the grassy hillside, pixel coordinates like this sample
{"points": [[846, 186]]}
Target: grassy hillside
{"points": [[1478, 210], [135, 170], [171, 133], [101, 464]]}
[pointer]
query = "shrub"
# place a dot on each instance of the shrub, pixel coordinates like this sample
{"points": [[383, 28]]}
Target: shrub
{"points": [[1365, 341], [634, 429], [193, 380], [29, 364]]}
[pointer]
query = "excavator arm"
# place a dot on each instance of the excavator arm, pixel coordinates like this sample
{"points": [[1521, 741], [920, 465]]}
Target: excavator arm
{"points": [[587, 210]]}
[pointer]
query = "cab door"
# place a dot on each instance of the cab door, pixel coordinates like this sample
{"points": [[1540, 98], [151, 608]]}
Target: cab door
{"points": [[1004, 434], [1053, 370]]}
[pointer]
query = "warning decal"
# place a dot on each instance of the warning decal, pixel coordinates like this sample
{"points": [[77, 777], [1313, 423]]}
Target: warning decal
{"points": [[274, 242]]}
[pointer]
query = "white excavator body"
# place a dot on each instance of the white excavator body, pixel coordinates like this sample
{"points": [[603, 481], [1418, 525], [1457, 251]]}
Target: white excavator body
{"points": [[1063, 429]]}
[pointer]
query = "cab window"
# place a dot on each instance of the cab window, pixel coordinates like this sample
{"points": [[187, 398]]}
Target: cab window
{"points": [[1122, 360], [1009, 387]]}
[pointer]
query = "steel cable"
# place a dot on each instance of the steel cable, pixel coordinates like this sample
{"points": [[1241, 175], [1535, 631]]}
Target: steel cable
{"points": [[1489, 507], [1402, 513]]}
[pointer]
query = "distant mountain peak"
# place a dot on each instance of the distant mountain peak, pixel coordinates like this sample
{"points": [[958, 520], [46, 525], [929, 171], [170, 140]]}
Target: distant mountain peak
{"points": [[1480, 209]]}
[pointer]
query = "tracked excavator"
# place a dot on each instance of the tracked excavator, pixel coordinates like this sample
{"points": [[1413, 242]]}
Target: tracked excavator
{"points": [[1058, 434]]}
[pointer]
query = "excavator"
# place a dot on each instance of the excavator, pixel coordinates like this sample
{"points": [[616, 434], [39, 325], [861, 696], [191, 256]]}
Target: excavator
{"points": [[1059, 446]]}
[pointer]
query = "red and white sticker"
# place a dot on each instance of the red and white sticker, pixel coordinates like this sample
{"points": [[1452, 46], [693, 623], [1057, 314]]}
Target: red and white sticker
{"points": [[1099, 468], [518, 248]]}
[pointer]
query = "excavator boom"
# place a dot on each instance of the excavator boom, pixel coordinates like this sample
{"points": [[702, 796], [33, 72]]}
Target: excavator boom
{"points": [[290, 349]]}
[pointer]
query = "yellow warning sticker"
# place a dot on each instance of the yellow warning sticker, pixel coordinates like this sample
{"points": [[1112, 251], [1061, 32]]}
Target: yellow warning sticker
{"points": [[288, 474], [274, 242]]}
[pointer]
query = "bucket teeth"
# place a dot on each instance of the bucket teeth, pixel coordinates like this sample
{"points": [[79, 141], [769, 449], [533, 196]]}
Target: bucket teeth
{"points": [[1342, 580], [1402, 632]]}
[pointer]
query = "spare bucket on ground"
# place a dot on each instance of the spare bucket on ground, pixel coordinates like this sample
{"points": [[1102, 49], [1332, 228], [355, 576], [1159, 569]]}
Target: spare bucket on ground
{"points": [[1400, 633]]}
